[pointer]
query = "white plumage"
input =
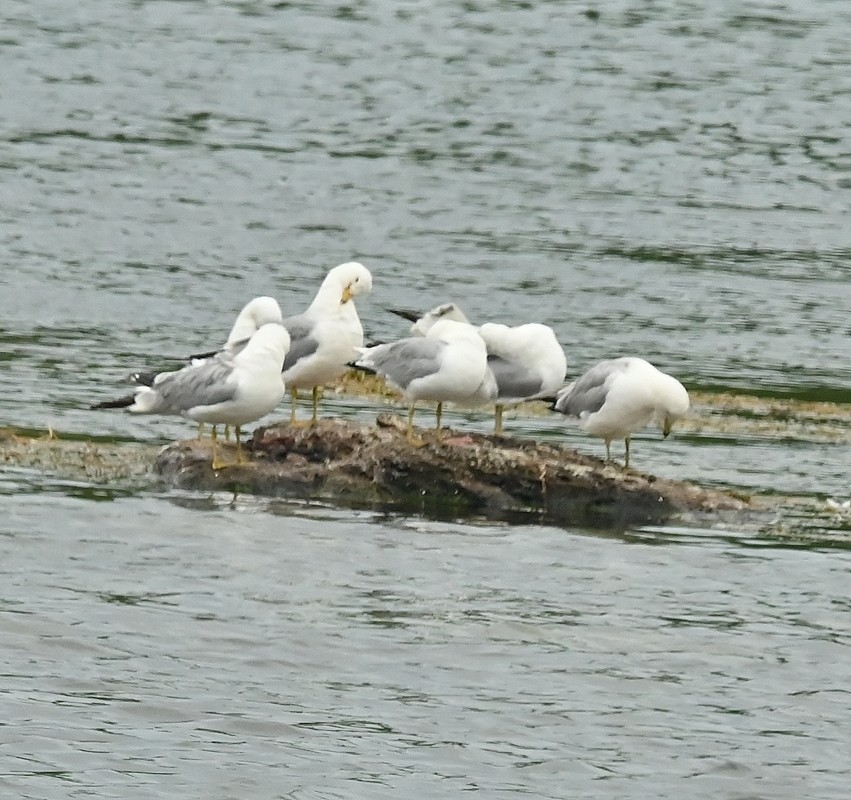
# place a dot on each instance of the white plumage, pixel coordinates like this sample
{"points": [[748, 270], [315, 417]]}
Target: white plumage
{"points": [[527, 361], [619, 396], [223, 389], [447, 364], [326, 336]]}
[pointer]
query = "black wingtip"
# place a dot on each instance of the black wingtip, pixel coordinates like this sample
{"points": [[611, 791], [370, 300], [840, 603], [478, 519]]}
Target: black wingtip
{"points": [[208, 354], [122, 402], [360, 368], [411, 316]]}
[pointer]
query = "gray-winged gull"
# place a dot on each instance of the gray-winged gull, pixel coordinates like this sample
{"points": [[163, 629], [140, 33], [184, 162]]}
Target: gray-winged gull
{"points": [[617, 397], [448, 364], [326, 336], [225, 389]]}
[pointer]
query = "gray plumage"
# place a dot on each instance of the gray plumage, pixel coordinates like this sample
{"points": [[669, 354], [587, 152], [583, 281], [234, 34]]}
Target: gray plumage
{"points": [[511, 381], [205, 384], [588, 393], [302, 341], [406, 360]]}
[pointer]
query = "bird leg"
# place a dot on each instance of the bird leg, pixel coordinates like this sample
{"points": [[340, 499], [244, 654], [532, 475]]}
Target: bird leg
{"points": [[317, 393], [294, 398], [217, 463], [413, 439], [438, 415], [608, 450], [50, 436], [497, 420], [227, 433], [626, 458], [240, 459], [200, 434]]}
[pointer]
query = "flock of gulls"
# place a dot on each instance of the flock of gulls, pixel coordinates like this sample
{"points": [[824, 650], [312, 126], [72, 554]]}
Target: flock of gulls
{"points": [[444, 359]]}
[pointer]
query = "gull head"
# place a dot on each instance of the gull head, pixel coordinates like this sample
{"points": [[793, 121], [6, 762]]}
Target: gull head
{"points": [[353, 279], [446, 311], [674, 402]]}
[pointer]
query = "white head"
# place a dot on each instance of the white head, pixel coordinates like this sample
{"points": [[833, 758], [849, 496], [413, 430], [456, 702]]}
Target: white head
{"points": [[673, 401], [342, 284], [259, 311], [450, 330], [270, 344], [448, 311]]}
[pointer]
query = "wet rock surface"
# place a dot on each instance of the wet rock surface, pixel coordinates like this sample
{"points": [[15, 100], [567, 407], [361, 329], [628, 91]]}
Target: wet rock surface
{"points": [[459, 474]]}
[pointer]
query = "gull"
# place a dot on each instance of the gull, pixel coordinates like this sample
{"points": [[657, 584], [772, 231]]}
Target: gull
{"points": [[447, 364], [254, 314], [617, 397], [527, 361], [224, 389], [326, 336]]}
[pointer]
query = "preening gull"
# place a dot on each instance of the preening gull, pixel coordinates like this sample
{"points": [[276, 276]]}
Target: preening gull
{"points": [[225, 389], [326, 336], [617, 397], [527, 361], [448, 364]]}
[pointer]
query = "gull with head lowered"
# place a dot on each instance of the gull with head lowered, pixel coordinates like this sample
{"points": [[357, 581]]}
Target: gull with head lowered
{"points": [[617, 397], [326, 337]]}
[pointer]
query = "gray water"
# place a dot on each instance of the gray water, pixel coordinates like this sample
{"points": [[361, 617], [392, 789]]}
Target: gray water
{"points": [[665, 179]]}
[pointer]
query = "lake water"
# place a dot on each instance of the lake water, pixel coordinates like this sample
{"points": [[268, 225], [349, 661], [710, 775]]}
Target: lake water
{"points": [[666, 179]]}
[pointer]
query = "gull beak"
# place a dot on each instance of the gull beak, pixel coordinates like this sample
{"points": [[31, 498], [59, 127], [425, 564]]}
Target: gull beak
{"points": [[667, 424], [347, 295]]}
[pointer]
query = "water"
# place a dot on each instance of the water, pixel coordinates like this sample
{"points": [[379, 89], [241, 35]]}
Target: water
{"points": [[670, 180]]}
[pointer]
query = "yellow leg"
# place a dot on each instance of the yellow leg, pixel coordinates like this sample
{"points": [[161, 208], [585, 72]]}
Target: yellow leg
{"points": [[626, 459], [438, 417], [217, 463], [227, 433], [412, 438], [317, 393], [239, 456], [294, 397], [50, 436], [497, 420]]}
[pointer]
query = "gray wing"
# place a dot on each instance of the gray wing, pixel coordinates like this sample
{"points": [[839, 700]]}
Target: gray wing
{"points": [[302, 341], [406, 360], [513, 380], [204, 384], [588, 393]]}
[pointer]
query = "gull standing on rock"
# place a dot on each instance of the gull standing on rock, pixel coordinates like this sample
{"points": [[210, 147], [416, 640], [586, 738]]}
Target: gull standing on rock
{"points": [[448, 364], [617, 397], [527, 361], [254, 314], [326, 337], [225, 389]]}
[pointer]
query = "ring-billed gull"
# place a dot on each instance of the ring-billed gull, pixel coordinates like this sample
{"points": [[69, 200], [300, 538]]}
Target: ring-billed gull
{"points": [[448, 364], [225, 389], [326, 336], [253, 315], [527, 360], [617, 397]]}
